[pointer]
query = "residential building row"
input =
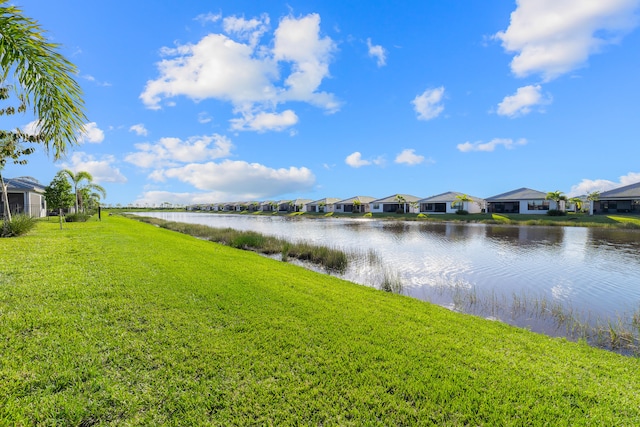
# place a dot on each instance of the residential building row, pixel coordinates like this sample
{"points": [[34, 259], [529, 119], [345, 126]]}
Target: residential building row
{"points": [[519, 201], [26, 195]]}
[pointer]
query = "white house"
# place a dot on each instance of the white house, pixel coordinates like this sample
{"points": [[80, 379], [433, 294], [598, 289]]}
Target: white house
{"points": [[25, 196], [449, 202], [522, 200], [397, 203], [323, 205], [356, 204]]}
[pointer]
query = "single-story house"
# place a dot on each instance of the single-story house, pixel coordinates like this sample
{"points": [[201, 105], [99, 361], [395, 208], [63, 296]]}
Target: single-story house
{"points": [[268, 205], [522, 200], [25, 196], [449, 202], [357, 204], [397, 203], [296, 205], [619, 200], [322, 205]]}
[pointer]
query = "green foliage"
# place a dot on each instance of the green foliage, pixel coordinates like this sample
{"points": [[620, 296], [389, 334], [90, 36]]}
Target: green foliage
{"points": [[122, 323], [462, 212], [44, 80], [58, 193], [368, 215], [421, 215], [556, 212], [77, 217], [19, 225]]}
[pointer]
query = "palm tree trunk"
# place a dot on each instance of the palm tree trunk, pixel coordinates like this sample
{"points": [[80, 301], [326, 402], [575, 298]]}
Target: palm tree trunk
{"points": [[5, 198]]}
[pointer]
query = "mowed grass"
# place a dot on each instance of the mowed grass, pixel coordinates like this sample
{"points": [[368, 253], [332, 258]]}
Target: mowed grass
{"points": [[122, 323]]}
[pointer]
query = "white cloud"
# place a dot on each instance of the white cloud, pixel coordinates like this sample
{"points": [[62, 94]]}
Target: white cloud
{"points": [[587, 186], [101, 169], [491, 145], [156, 198], [409, 157], [522, 101], [91, 133], [250, 30], [378, 52], [553, 37], [203, 18], [170, 151], [139, 129], [355, 160], [243, 180], [428, 104], [204, 117], [248, 74], [265, 121]]}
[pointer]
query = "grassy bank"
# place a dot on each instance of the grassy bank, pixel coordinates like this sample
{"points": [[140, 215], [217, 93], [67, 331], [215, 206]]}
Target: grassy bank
{"points": [[120, 322]]}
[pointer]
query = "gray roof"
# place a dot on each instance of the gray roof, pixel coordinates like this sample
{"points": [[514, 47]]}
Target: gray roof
{"points": [[627, 192], [519, 194], [326, 201], [24, 183], [449, 196], [361, 199], [393, 199]]}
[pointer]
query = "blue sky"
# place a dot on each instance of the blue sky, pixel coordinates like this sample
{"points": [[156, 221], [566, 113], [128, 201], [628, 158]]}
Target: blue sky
{"points": [[212, 101]]}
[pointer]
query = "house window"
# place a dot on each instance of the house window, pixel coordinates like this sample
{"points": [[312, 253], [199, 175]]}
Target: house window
{"points": [[538, 205], [376, 206]]}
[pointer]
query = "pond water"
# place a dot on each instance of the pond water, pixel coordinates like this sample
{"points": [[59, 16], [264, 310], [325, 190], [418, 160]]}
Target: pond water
{"points": [[530, 276]]}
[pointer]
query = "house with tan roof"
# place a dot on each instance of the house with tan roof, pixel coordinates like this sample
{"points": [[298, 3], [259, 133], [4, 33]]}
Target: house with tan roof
{"points": [[356, 204], [323, 205]]}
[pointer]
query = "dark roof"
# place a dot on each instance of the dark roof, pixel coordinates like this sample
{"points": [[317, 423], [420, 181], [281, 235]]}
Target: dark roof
{"points": [[631, 191]]}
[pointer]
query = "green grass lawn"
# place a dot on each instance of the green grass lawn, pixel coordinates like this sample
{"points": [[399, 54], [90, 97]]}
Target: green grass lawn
{"points": [[120, 322]]}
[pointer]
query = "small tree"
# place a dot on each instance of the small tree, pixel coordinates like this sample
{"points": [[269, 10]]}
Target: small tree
{"points": [[557, 196], [592, 197], [58, 194], [577, 202], [401, 201], [356, 205], [459, 201]]}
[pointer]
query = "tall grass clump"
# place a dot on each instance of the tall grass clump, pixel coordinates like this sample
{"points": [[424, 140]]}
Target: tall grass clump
{"points": [[391, 283], [19, 225]]}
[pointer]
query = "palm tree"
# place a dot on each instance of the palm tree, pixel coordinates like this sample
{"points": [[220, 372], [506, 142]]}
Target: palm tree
{"points": [[77, 182], [577, 201], [592, 197], [356, 205], [557, 196], [42, 80]]}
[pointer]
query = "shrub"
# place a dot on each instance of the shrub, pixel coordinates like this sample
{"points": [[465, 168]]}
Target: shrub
{"points": [[556, 212], [19, 225], [462, 212], [77, 217], [368, 215], [421, 215]]}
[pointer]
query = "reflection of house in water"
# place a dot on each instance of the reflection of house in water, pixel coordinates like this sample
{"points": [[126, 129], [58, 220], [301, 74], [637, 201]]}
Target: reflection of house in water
{"points": [[620, 200], [525, 235]]}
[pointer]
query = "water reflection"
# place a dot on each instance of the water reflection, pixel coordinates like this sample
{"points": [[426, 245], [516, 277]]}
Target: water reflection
{"points": [[593, 271]]}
